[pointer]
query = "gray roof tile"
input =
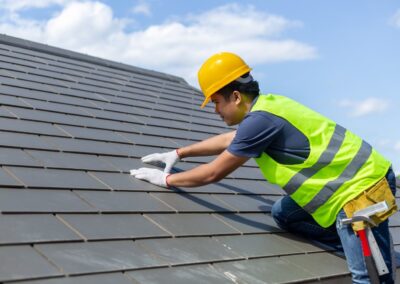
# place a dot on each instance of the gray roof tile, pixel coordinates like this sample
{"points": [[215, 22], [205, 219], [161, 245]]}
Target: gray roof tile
{"points": [[17, 157], [248, 173], [139, 151], [28, 141], [7, 180], [43, 116], [185, 202], [20, 91], [15, 63], [198, 274], [263, 270], [69, 161], [192, 224], [7, 79], [395, 219], [396, 235], [85, 146], [163, 123], [23, 262], [33, 229], [76, 258], [319, 264], [56, 107], [189, 250], [251, 187], [249, 203], [170, 133], [250, 222], [118, 181], [135, 116], [118, 226], [113, 201], [4, 112], [41, 201], [106, 278], [12, 101], [209, 188], [258, 245], [140, 139], [181, 142], [89, 133], [18, 125], [122, 164], [35, 78], [42, 178]]}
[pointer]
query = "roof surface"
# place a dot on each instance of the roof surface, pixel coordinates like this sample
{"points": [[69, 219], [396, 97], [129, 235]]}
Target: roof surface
{"points": [[71, 128]]}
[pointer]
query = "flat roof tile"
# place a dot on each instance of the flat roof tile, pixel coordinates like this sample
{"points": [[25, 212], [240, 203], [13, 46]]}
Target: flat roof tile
{"points": [[117, 201], [22, 262], [33, 229], [42, 178], [91, 257], [18, 200], [192, 224], [118, 226]]}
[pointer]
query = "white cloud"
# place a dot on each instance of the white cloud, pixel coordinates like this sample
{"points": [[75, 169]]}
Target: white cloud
{"points": [[177, 46], [395, 20], [364, 107], [81, 25], [142, 8], [16, 5]]}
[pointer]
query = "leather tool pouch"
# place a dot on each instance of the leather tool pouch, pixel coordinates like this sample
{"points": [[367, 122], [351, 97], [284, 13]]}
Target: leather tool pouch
{"points": [[376, 193]]}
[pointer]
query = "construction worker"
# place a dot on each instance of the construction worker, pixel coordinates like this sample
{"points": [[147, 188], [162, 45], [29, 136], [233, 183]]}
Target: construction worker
{"points": [[321, 165]]}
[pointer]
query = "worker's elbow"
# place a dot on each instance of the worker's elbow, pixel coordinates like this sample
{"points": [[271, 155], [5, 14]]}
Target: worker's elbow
{"points": [[214, 176]]}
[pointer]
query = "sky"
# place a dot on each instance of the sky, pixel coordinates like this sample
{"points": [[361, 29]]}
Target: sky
{"points": [[339, 57]]}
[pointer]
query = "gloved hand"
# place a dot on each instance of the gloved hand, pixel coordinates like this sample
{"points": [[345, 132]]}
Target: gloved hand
{"points": [[169, 159], [153, 176]]}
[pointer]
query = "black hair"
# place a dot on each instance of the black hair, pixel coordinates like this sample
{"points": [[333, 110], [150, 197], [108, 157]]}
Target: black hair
{"points": [[250, 89]]}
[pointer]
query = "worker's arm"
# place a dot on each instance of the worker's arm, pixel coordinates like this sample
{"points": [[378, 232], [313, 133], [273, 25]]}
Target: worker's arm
{"points": [[211, 146], [204, 174]]}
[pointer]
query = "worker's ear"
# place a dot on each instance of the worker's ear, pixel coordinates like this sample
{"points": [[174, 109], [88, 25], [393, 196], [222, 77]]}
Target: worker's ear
{"points": [[237, 97]]}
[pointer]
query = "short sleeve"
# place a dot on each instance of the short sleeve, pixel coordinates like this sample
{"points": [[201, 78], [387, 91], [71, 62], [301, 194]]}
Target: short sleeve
{"points": [[255, 133]]}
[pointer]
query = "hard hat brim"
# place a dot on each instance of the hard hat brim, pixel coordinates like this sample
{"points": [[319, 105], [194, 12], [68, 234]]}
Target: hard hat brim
{"points": [[205, 102]]}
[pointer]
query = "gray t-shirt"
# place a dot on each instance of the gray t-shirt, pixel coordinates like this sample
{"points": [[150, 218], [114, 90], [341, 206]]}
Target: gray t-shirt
{"points": [[262, 131]]}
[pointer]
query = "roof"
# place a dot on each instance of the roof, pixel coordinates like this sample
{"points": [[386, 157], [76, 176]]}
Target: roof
{"points": [[71, 128]]}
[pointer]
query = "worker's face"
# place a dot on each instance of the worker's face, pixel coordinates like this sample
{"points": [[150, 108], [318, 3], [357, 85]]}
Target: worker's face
{"points": [[230, 109]]}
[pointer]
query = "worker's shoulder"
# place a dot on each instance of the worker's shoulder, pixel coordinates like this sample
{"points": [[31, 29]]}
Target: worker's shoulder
{"points": [[264, 116], [258, 122]]}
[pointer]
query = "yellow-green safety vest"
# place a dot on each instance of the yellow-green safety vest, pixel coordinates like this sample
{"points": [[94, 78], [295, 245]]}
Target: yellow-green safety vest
{"points": [[340, 164]]}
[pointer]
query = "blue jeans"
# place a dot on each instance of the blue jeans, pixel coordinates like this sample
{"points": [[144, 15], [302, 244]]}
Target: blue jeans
{"points": [[291, 217]]}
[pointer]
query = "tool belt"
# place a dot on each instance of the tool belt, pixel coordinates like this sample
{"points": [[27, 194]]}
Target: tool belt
{"points": [[375, 194]]}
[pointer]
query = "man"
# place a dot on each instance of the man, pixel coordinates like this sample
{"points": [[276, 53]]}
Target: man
{"points": [[322, 166]]}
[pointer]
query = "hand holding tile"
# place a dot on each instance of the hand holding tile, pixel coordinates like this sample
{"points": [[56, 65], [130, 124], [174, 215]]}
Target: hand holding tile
{"points": [[153, 176]]}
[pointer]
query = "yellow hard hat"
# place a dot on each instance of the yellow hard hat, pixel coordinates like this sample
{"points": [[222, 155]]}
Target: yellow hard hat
{"points": [[218, 71]]}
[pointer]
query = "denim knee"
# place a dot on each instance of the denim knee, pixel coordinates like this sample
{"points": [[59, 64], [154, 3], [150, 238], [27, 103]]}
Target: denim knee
{"points": [[276, 211], [286, 212]]}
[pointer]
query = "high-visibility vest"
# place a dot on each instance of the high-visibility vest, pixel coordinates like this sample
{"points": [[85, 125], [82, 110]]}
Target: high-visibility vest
{"points": [[340, 164]]}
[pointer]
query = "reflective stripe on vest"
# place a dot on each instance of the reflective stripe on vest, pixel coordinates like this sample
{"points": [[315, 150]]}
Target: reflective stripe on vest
{"points": [[326, 158], [331, 187], [340, 164]]}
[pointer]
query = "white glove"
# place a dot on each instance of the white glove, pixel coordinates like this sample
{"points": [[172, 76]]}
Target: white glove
{"points": [[169, 159], [153, 176]]}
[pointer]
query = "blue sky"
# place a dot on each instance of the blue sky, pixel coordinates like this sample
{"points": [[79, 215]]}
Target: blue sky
{"points": [[339, 57]]}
